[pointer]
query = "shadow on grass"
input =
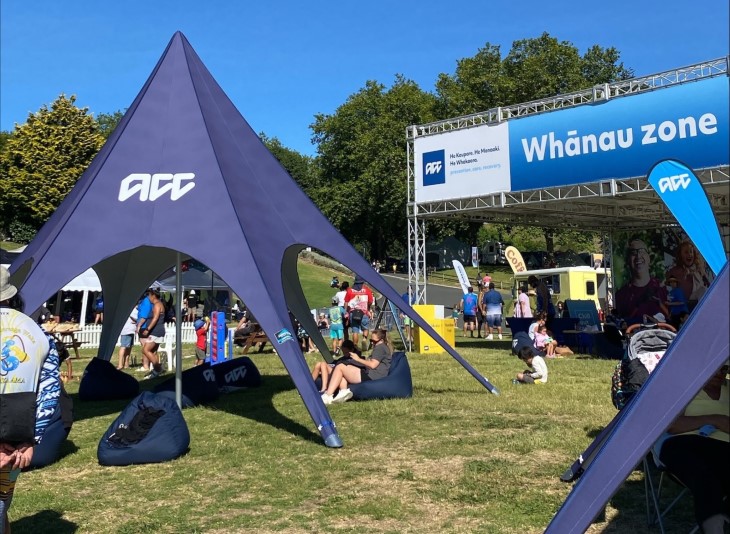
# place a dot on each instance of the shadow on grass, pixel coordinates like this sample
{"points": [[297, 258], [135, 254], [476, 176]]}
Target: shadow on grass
{"points": [[629, 503], [257, 404], [45, 521]]}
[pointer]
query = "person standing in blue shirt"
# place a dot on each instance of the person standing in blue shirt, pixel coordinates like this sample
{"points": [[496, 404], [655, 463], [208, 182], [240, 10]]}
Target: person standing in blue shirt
{"points": [[469, 306], [492, 304]]}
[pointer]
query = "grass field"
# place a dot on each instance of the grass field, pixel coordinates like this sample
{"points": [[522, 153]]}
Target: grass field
{"points": [[452, 459]]}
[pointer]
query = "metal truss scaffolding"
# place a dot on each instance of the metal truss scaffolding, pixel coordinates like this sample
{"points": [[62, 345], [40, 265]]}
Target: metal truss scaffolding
{"points": [[606, 205]]}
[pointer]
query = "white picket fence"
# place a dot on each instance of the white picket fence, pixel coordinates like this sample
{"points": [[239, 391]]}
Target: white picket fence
{"points": [[90, 335]]}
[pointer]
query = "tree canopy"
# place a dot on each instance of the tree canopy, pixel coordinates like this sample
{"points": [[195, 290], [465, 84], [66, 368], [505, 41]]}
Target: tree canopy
{"points": [[41, 162], [358, 177]]}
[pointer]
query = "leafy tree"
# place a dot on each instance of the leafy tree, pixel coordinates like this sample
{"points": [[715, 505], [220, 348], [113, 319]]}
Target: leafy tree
{"points": [[41, 163], [108, 121], [533, 69], [362, 159], [4, 137], [300, 167]]}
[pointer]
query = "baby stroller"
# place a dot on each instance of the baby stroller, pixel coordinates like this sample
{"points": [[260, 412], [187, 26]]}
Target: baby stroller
{"points": [[646, 346]]}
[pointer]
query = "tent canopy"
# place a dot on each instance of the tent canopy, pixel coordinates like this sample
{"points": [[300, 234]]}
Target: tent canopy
{"points": [[183, 147], [190, 279]]}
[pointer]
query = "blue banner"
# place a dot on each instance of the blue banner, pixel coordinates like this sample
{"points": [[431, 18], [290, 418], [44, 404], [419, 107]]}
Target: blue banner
{"points": [[683, 194], [622, 137]]}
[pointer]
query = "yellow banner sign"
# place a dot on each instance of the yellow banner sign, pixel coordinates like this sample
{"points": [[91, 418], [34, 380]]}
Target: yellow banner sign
{"points": [[515, 259]]}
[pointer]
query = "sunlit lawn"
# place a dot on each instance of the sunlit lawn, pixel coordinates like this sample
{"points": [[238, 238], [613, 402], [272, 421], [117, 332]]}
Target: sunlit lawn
{"points": [[453, 458]]}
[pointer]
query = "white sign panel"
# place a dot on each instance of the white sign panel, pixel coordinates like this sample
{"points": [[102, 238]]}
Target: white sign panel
{"points": [[463, 163]]}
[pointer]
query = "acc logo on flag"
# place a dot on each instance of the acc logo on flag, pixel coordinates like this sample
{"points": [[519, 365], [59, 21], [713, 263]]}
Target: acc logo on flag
{"points": [[434, 168], [673, 183]]}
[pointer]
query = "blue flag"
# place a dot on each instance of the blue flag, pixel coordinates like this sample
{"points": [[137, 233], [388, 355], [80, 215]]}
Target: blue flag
{"points": [[683, 194]]}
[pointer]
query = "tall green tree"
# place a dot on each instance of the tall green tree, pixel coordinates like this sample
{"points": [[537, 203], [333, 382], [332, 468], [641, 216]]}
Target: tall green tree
{"points": [[108, 122], [299, 166], [41, 162], [362, 160], [533, 69]]}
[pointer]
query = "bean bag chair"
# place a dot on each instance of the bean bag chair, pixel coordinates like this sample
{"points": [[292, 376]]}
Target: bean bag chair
{"points": [[151, 429], [397, 385], [236, 374], [103, 381], [199, 384], [49, 449]]}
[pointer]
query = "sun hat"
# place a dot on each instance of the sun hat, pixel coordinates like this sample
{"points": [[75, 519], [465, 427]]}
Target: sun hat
{"points": [[7, 290], [660, 317]]}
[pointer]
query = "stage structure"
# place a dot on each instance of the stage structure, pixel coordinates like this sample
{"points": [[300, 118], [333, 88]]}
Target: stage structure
{"points": [[576, 160]]}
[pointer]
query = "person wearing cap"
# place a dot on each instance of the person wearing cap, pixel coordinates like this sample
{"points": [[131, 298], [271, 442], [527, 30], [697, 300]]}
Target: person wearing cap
{"points": [[30, 391], [359, 299], [676, 301], [192, 304], [201, 344]]}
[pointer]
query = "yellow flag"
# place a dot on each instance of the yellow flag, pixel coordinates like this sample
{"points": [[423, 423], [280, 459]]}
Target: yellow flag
{"points": [[515, 259]]}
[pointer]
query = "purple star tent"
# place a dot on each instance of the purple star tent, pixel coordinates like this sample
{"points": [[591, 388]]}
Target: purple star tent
{"points": [[700, 348], [184, 173]]}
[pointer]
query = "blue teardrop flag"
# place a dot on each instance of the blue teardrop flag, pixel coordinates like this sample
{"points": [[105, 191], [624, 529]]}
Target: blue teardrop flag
{"points": [[683, 194]]}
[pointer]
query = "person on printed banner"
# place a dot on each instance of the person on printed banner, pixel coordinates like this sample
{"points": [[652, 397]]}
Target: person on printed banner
{"points": [[30, 390], [690, 271], [642, 294]]}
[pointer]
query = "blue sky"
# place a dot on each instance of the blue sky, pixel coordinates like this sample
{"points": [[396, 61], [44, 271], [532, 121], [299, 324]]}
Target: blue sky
{"points": [[282, 62]]}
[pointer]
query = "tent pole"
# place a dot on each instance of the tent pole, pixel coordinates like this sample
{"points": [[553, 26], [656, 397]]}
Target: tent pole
{"points": [[178, 331], [84, 305]]}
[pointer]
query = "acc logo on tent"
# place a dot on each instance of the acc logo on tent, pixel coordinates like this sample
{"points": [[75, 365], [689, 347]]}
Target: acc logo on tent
{"points": [[153, 186]]}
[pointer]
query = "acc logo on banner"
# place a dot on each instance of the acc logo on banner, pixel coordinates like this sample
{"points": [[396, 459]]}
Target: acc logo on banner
{"points": [[434, 168]]}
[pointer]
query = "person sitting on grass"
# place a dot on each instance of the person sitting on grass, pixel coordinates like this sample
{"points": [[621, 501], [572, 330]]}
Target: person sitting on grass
{"points": [[324, 369], [361, 369], [538, 372], [544, 342]]}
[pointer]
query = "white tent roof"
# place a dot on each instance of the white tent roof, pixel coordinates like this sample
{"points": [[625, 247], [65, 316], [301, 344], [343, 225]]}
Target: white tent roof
{"points": [[86, 281]]}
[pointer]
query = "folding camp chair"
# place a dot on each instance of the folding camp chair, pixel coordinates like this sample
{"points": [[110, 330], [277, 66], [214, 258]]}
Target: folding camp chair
{"points": [[653, 487]]}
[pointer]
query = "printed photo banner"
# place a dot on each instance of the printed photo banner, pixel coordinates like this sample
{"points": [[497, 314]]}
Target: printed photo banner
{"points": [[643, 263]]}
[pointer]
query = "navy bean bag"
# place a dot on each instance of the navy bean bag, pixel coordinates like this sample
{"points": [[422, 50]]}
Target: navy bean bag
{"points": [[236, 374], [397, 385], [49, 449], [199, 384], [150, 429], [103, 381]]}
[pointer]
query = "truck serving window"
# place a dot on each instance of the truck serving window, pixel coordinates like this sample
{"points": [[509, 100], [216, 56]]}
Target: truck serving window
{"points": [[590, 287]]}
